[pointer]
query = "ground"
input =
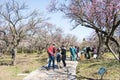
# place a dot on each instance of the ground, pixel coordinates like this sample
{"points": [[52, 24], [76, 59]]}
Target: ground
{"points": [[64, 73], [86, 69], [26, 63]]}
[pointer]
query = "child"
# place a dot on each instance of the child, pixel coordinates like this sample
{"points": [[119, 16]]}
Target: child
{"points": [[58, 57]]}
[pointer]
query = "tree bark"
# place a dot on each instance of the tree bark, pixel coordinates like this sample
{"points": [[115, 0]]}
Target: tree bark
{"points": [[118, 46], [100, 44], [14, 56], [108, 46], [111, 50]]}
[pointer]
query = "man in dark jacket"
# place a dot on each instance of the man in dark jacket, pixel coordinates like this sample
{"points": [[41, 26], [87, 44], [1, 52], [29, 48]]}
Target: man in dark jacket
{"points": [[63, 53]]}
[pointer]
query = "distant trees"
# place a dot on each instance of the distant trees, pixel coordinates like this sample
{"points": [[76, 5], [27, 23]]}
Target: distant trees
{"points": [[101, 15], [47, 33]]}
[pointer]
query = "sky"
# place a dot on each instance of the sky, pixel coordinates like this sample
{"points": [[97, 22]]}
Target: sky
{"points": [[58, 19]]}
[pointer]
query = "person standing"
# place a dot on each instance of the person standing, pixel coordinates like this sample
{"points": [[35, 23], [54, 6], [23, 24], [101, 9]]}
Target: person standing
{"points": [[51, 54], [87, 53], [58, 57], [13, 53], [73, 53], [63, 53], [77, 51]]}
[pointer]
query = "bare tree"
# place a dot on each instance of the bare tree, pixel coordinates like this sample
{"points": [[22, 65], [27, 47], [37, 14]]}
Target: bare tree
{"points": [[69, 40], [15, 24]]}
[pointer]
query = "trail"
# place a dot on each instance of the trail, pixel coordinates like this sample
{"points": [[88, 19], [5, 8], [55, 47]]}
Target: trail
{"points": [[67, 73]]}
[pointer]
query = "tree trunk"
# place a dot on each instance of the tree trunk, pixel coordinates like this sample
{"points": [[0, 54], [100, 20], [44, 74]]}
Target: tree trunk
{"points": [[14, 56], [111, 50], [108, 46], [100, 44], [118, 46]]}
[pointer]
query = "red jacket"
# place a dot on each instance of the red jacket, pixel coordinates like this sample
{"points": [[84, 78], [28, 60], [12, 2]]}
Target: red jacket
{"points": [[51, 50]]}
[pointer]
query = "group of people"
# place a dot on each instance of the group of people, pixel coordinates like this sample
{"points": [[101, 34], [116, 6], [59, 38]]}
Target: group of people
{"points": [[59, 54], [89, 52], [85, 53], [56, 54]]}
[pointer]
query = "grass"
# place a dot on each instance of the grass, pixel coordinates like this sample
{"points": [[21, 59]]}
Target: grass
{"points": [[87, 69], [26, 63]]}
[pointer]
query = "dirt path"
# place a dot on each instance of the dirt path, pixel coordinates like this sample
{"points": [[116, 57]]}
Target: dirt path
{"points": [[68, 73]]}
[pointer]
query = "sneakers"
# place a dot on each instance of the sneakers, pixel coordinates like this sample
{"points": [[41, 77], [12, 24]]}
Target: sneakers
{"points": [[48, 68]]}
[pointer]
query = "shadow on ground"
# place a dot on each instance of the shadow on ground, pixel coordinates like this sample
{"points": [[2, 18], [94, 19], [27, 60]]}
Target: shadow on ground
{"points": [[85, 78]]}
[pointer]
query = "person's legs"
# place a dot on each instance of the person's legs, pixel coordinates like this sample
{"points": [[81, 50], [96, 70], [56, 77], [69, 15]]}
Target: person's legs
{"points": [[58, 63], [53, 60], [49, 62], [64, 63], [77, 55], [88, 55], [74, 57]]}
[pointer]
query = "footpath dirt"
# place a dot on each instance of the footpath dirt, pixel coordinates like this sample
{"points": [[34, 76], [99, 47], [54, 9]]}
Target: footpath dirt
{"points": [[67, 73]]}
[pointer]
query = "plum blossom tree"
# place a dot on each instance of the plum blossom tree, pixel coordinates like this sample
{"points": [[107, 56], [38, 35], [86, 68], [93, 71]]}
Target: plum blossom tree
{"points": [[101, 15]]}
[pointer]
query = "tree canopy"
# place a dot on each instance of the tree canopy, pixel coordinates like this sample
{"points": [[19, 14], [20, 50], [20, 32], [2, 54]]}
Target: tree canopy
{"points": [[101, 15]]}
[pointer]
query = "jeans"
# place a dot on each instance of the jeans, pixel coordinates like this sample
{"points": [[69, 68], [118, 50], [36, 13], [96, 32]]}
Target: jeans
{"points": [[63, 60], [51, 59]]}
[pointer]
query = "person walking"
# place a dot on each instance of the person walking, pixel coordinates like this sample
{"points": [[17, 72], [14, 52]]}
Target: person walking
{"points": [[51, 54], [63, 53]]}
